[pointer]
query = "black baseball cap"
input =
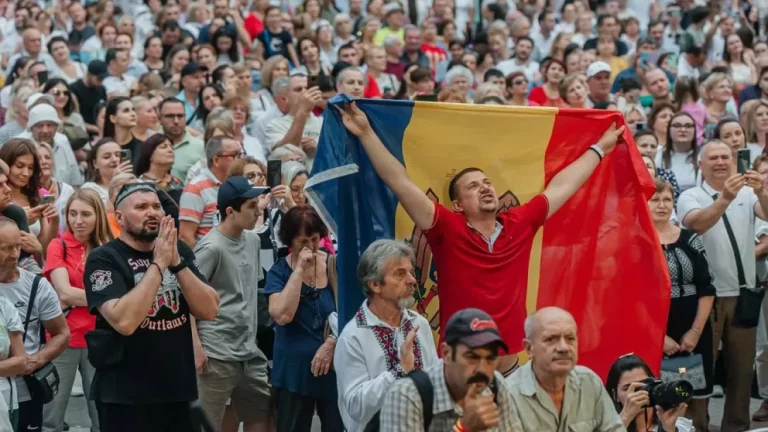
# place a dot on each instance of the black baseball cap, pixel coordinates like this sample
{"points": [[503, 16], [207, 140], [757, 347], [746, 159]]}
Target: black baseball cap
{"points": [[189, 69], [237, 187], [98, 68], [473, 328]]}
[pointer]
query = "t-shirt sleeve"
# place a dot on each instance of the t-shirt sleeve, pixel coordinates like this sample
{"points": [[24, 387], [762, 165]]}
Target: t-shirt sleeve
{"points": [[11, 316], [54, 258], [287, 39], [534, 212], [191, 205], [277, 277], [441, 225], [207, 257], [189, 257], [102, 281], [47, 302], [688, 202]]}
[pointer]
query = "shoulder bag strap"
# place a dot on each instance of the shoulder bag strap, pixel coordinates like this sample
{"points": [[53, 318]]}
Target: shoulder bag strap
{"points": [[32, 295], [333, 278], [426, 392], [735, 247], [63, 248]]}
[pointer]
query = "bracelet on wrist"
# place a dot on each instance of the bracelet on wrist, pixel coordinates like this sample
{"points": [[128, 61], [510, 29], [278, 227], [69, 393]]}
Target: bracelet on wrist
{"points": [[458, 427], [160, 269], [598, 151], [697, 331]]}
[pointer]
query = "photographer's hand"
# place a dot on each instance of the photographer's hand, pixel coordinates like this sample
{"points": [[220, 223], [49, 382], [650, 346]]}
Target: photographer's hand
{"points": [[669, 417], [634, 404]]}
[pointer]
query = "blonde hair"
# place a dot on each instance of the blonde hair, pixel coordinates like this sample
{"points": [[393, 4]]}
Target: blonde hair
{"points": [[268, 68], [750, 125], [223, 123], [568, 81], [631, 108], [238, 166], [711, 81], [101, 233], [49, 149]]}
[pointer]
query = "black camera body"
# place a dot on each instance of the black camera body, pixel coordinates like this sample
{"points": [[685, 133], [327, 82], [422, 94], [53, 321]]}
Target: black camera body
{"points": [[667, 395]]}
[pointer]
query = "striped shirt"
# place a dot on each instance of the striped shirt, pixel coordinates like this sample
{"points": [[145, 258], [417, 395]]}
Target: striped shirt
{"points": [[198, 202]]}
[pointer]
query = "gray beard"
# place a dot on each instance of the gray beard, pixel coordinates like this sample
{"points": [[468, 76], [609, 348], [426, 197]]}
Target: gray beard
{"points": [[407, 303]]}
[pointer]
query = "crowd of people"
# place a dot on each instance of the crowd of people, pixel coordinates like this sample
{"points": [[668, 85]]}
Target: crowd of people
{"points": [[157, 248]]}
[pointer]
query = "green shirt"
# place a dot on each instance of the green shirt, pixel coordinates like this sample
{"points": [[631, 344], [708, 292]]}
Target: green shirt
{"points": [[188, 151], [382, 33], [586, 404]]}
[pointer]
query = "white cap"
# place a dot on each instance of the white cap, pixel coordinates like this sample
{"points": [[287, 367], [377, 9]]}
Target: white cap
{"points": [[597, 67], [392, 7], [36, 97], [42, 113]]}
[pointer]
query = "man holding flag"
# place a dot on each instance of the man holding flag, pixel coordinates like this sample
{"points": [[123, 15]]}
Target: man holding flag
{"points": [[481, 255]]}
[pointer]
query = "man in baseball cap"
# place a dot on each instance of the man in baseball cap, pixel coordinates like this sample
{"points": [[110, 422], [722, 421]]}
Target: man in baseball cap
{"points": [[394, 16], [467, 377], [90, 91], [599, 81], [228, 257]]}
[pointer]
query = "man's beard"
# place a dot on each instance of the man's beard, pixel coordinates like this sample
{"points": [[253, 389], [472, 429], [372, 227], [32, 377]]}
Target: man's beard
{"points": [[142, 234], [407, 302]]}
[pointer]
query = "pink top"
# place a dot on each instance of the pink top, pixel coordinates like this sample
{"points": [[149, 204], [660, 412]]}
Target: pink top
{"points": [[698, 111]]}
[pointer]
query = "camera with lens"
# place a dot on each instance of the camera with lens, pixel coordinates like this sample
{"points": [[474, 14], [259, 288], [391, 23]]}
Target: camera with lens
{"points": [[667, 395]]}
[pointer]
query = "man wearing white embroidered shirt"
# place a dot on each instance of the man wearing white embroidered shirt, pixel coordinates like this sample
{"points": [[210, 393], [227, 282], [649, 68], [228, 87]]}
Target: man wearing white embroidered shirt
{"points": [[386, 275], [118, 83], [725, 202], [299, 127]]}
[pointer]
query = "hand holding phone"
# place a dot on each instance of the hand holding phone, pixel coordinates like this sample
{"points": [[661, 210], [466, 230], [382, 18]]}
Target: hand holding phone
{"points": [[743, 157], [274, 173]]}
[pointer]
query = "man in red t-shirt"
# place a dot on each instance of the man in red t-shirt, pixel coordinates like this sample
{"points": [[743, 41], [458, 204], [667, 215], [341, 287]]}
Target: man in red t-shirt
{"points": [[481, 255]]}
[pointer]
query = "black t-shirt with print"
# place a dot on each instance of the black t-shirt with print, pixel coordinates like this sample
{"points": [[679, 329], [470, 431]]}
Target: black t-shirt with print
{"points": [[275, 43], [158, 365]]}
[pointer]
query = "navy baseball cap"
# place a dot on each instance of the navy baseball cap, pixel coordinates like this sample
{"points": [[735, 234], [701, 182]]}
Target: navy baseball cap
{"points": [[473, 328], [235, 188], [98, 68], [189, 69]]}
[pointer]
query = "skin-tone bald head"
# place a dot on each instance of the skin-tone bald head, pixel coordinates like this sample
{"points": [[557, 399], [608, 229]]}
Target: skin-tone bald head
{"points": [[552, 342]]}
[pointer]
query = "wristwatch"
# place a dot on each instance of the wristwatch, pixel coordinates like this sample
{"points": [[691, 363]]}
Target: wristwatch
{"points": [[176, 269]]}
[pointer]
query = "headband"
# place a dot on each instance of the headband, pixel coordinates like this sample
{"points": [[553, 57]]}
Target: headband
{"points": [[129, 189]]}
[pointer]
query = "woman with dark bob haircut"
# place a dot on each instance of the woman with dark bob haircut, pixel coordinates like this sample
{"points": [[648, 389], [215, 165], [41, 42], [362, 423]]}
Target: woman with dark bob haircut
{"points": [[300, 303], [624, 380], [154, 165]]}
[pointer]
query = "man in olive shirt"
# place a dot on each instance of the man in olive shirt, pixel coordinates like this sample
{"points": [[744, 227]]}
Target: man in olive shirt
{"points": [[551, 393], [228, 361]]}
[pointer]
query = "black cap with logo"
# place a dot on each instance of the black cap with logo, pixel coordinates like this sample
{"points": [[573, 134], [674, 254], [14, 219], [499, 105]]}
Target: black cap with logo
{"points": [[473, 328]]}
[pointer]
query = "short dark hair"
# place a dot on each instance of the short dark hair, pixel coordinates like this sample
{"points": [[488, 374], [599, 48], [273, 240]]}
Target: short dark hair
{"points": [[645, 132], [236, 205], [301, 220], [112, 54], [54, 40], [629, 84], [146, 150], [525, 38], [452, 192], [346, 46], [601, 19], [492, 73], [168, 100]]}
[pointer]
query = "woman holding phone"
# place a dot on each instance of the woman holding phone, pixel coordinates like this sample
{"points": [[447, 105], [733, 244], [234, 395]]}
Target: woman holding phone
{"points": [[24, 179], [103, 163]]}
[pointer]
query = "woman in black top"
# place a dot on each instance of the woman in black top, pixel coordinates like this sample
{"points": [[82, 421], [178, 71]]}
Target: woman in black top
{"points": [[119, 121], [688, 328]]}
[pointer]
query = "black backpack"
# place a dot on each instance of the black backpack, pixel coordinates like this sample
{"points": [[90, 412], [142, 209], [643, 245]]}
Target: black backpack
{"points": [[424, 386]]}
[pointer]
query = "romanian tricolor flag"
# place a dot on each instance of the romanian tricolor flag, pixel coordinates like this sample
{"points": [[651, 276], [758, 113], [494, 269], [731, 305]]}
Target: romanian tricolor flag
{"points": [[598, 257]]}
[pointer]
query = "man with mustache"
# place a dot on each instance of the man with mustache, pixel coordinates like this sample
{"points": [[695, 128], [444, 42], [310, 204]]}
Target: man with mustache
{"points": [[370, 366], [144, 288], [480, 254], [551, 393], [468, 394]]}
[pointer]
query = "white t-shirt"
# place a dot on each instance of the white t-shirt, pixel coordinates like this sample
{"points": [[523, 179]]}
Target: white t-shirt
{"points": [[46, 308], [103, 192], [10, 322], [681, 167], [276, 130], [529, 69], [741, 217]]}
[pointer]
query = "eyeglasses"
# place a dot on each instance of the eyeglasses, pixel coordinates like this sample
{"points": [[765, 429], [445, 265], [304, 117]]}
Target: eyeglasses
{"points": [[682, 125], [57, 93], [236, 155], [255, 176]]}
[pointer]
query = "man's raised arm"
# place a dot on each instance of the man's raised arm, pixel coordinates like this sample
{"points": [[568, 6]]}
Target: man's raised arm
{"points": [[419, 207]]}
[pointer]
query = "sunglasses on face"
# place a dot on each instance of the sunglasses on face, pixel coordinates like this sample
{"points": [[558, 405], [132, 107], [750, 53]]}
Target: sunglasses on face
{"points": [[57, 92]]}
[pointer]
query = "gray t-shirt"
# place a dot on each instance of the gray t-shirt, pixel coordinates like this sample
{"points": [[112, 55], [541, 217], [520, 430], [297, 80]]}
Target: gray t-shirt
{"points": [[9, 323], [46, 308], [232, 267]]}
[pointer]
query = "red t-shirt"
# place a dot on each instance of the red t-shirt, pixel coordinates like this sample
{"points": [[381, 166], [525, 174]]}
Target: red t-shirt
{"points": [[471, 276], [372, 91], [80, 321], [538, 96]]}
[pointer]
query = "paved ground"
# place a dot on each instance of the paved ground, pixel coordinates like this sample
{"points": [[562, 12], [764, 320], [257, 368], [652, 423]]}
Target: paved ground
{"points": [[77, 415]]}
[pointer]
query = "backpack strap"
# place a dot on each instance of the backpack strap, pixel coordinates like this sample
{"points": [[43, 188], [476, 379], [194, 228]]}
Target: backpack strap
{"points": [[426, 392], [32, 295]]}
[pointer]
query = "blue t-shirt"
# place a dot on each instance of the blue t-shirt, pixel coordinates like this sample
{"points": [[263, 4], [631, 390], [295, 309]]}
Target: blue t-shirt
{"points": [[297, 342]]}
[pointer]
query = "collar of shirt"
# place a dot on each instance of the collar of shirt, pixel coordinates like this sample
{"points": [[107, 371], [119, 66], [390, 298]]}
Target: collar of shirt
{"points": [[529, 386], [207, 173], [489, 240], [182, 96], [371, 320], [70, 241], [185, 140]]}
